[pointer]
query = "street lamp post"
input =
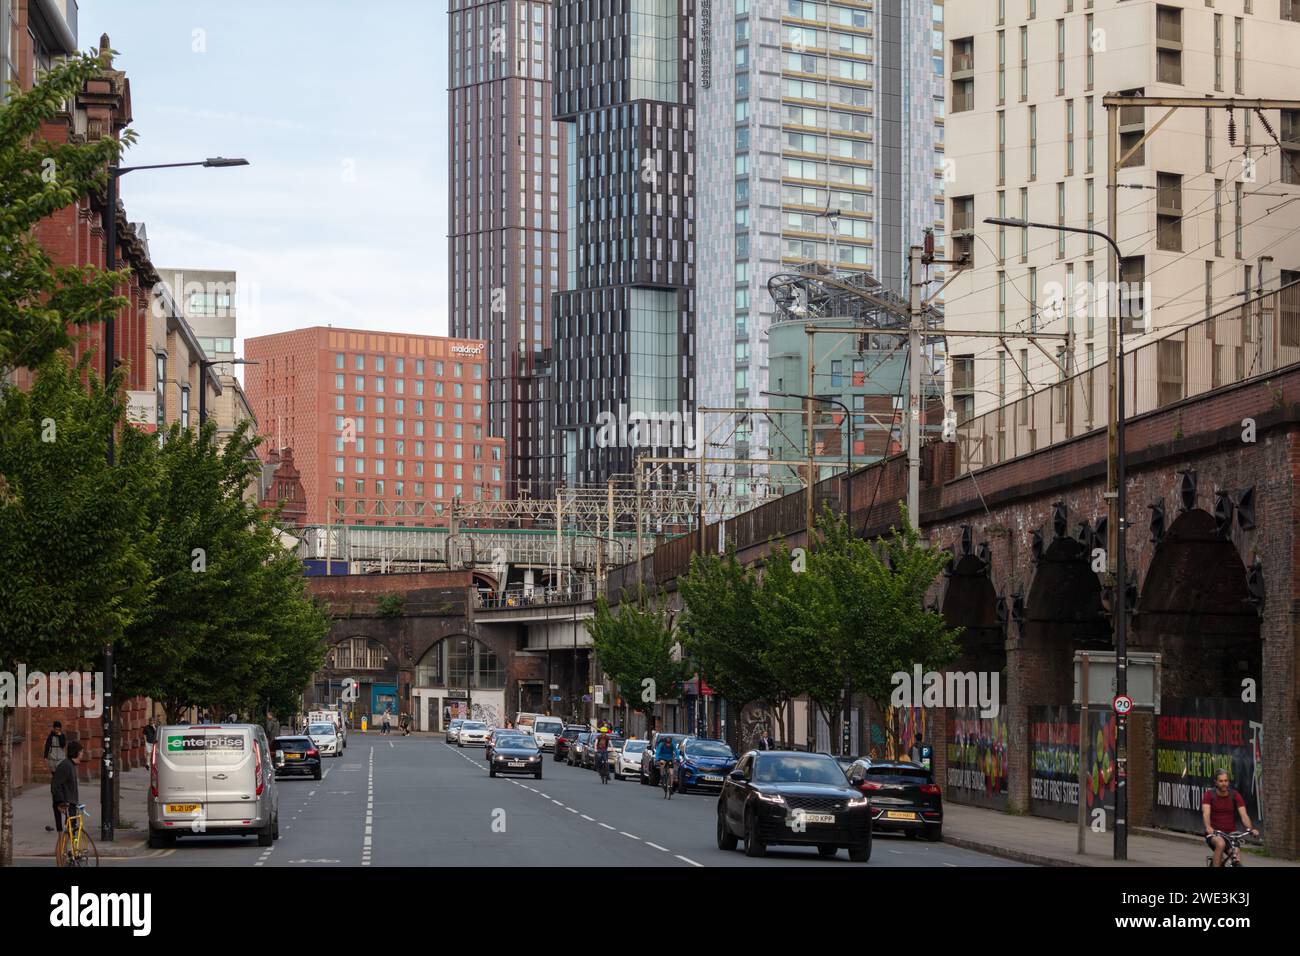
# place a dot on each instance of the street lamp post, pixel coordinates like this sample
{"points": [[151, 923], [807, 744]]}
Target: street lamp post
{"points": [[204, 365], [1118, 496], [108, 720], [847, 731]]}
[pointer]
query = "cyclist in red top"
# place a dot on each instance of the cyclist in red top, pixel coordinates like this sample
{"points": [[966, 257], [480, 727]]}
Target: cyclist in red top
{"points": [[1219, 809]]}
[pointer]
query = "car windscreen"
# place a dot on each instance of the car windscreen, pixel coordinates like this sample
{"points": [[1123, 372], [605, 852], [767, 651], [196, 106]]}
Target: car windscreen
{"points": [[548, 727], [321, 730], [912, 775], [797, 769], [634, 746], [293, 743], [473, 725], [707, 748], [574, 731], [517, 742]]}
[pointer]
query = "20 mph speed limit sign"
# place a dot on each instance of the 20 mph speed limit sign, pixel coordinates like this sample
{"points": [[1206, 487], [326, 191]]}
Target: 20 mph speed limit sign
{"points": [[1122, 704]]}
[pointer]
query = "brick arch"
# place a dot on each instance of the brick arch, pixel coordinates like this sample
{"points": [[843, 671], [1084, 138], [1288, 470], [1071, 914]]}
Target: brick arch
{"points": [[971, 603], [1194, 608], [1063, 613], [338, 635]]}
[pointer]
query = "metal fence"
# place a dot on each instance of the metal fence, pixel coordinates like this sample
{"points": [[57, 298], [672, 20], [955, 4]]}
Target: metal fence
{"points": [[1252, 339]]}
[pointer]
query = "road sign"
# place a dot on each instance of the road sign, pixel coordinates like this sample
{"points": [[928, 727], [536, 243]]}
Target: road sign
{"points": [[1122, 704], [556, 698]]}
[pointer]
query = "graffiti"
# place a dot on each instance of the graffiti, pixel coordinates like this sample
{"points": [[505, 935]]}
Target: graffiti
{"points": [[902, 724], [1054, 762], [755, 720], [977, 758], [486, 713]]}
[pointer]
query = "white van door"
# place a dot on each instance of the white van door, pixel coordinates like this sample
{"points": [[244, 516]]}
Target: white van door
{"points": [[232, 758], [181, 759]]}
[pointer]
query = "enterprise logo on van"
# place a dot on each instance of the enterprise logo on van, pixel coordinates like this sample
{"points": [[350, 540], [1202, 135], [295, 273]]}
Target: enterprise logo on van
{"points": [[182, 743]]}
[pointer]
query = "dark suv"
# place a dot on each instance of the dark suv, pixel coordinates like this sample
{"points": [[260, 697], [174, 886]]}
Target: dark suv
{"points": [[296, 756], [904, 796], [564, 740]]}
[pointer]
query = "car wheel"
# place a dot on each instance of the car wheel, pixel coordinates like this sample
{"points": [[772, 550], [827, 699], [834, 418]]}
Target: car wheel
{"points": [[726, 839], [160, 841], [753, 845], [275, 827], [538, 775], [824, 850], [934, 832], [316, 775], [265, 836], [491, 772], [459, 744], [861, 853]]}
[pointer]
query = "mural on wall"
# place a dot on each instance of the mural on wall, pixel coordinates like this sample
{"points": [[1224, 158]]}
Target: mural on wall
{"points": [[755, 719], [1195, 737], [1054, 762], [488, 713], [902, 724], [977, 758]]}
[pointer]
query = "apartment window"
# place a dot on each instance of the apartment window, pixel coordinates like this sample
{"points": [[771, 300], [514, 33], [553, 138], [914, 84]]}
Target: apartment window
{"points": [[1237, 214], [1002, 11], [1088, 42], [1032, 299], [963, 227], [1024, 233], [1069, 137], [1060, 220], [1218, 216], [359, 363], [185, 406], [1002, 301], [1290, 10], [1091, 308], [1218, 53], [1132, 277], [1169, 371], [1238, 53], [963, 387], [1033, 9], [1024, 64], [338, 359], [963, 75], [1002, 147], [1002, 67], [1002, 230], [1169, 212], [1033, 143], [1060, 57], [1087, 107], [1209, 140], [1092, 214], [1132, 127], [1169, 45], [1022, 406], [338, 464], [1290, 147], [1209, 288], [1289, 309]]}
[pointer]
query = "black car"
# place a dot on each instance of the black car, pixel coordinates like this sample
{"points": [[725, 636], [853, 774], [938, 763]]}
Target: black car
{"points": [[300, 757], [904, 796], [496, 735], [516, 753], [565, 739], [800, 799], [649, 768]]}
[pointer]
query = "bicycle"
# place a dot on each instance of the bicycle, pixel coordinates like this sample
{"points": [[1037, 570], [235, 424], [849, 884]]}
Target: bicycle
{"points": [[75, 846], [1231, 852], [602, 765], [667, 772]]}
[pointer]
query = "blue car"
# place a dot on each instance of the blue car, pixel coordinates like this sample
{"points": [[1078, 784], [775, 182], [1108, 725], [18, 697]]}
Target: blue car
{"points": [[703, 764]]}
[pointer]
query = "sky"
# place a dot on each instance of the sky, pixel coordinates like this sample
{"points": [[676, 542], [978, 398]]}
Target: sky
{"points": [[340, 106]]}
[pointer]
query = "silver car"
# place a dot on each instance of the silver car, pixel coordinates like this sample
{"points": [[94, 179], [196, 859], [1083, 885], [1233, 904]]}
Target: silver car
{"points": [[453, 730], [212, 779]]}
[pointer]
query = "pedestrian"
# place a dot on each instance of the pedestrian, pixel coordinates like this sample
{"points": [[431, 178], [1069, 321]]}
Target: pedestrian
{"points": [[151, 731], [765, 741], [917, 753], [63, 786], [56, 745], [384, 732]]}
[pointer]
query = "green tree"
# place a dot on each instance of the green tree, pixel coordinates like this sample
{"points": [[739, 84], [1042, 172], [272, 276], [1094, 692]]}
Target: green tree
{"points": [[73, 535], [635, 646]]}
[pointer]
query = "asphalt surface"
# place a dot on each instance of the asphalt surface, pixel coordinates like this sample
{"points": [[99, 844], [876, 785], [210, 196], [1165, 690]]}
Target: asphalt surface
{"points": [[415, 801]]}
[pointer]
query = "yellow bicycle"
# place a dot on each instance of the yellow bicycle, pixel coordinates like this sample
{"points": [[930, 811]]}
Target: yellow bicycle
{"points": [[75, 846]]}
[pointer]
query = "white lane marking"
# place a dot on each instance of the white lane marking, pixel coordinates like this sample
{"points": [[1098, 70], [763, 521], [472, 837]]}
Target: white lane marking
{"points": [[606, 826], [540, 794], [686, 859], [367, 840], [312, 794], [571, 810], [587, 818], [656, 846], [629, 835], [947, 864], [557, 802]]}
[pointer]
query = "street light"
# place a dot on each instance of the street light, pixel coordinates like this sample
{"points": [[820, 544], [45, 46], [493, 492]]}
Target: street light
{"points": [[204, 365], [847, 732], [110, 265], [1119, 496]]}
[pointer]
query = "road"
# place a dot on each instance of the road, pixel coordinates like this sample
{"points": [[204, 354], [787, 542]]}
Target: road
{"points": [[415, 801]]}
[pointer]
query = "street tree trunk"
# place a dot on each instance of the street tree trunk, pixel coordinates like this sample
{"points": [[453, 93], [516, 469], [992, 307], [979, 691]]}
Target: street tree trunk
{"points": [[6, 786]]}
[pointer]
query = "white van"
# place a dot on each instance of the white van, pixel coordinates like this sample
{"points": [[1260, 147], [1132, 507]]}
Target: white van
{"points": [[544, 731], [212, 779], [525, 721]]}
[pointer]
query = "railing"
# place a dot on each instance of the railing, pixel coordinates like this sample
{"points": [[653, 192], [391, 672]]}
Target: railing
{"points": [[1248, 340], [963, 62], [536, 597]]}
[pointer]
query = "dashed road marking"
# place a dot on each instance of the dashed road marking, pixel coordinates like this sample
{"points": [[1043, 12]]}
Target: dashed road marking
{"points": [[630, 836], [589, 819], [686, 859], [606, 826]]}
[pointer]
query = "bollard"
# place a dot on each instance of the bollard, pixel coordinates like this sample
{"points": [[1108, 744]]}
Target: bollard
{"points": [[363, 725]]}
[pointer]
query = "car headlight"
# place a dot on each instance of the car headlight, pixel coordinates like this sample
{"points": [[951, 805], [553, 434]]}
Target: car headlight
{"points": [[858, 802], [771, 797]]}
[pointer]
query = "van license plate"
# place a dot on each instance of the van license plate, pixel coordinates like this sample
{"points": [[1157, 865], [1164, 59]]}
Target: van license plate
{"points": [[182, 808]]}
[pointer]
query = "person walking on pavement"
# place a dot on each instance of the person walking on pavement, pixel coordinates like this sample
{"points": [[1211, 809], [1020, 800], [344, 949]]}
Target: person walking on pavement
{"points": [[64, 791], [384, 732], [765, 742], [56, 745]]}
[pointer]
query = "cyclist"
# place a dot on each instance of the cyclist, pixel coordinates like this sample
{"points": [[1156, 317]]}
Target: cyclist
{"points": [[63, 785], [1219, 809], [602, 754], [664, 758]]}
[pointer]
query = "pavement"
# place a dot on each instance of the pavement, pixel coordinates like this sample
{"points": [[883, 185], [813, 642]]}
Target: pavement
{"points": [[1043, 842], [33, 813]]}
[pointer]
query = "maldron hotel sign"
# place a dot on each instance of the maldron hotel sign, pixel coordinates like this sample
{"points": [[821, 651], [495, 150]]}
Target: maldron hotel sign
{"points": [[467, 350]]}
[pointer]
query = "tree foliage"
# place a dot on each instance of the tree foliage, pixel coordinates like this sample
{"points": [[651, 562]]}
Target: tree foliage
{"points": [[637, 645]]}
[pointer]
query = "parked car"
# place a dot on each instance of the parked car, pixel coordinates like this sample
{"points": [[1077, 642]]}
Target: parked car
{"points": [[650, 769], [800, 799], [574, 756], [703, 763], [904, 797], [627, 762], [546, 729], [453, 730], [295, 756], [326, 739], [515, 753], [564, 739], [472, 732], [589, 752], [212, 779]]}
